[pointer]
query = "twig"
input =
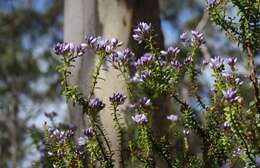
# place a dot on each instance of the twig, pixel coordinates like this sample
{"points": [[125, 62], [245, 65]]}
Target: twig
{"points": [[253, 75]]}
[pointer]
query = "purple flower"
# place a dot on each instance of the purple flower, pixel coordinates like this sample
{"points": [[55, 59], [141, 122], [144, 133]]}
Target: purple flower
{"points": [[225, 125], [212, 3], [184, 37], [115, 43], [238, 81], [114, 59], [117, 99], [135, 78], [231, 94], [146, 59], [128, 56], [141, 31], [172, 117], [61, 136], [131, 106], [91, 41], [232, 61], [62, 48], [139, 118], [112, 45], [176, 64], [227, 76], [216, 63], [118, 59], [99, 43], [141, 77], [81, 49], [96, 104], [144, 102], [188, 60], [145, 75], [173, 51], [81, 141], [103, 44], [186, 131], [197, 37], [89, 133]]}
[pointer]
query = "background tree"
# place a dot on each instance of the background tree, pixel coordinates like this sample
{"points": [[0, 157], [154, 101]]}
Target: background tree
{"points": [[28, 29]]}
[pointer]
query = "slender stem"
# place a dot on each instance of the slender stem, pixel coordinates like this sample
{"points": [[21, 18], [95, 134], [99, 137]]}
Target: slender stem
{"points": [[237, 131], [99, 141], [194, 81], [164, 154], [199, 99], [96, 74], [103, 135], [121, 134], [253, 76]]}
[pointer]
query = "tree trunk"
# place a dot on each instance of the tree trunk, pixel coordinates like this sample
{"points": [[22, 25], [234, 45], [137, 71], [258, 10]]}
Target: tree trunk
{"points": [[80, 19]]}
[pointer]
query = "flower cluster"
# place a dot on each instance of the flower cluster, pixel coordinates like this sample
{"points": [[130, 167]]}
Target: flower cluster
{"points": [[184, 37], [216, 63], [121, 59], [231, 94], [61, 136], [81, 49], [188, 60], [156, 76], [142, 31], [141, 77], [62, 48], [140, 118], [212, 3], [99, 43], [143, 102], [88, 134], [96, 104], [145, 60], [195, 37], [117, 99], [171, 51], [176, 64], [232, 61]]}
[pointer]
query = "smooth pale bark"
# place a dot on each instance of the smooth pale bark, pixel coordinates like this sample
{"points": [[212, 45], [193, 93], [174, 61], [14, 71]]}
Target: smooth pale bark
{"points": [[115, 18], [80, 19]]}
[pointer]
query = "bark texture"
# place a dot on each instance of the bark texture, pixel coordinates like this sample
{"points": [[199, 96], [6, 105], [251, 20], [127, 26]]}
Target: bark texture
{"points": [[80, 19]]}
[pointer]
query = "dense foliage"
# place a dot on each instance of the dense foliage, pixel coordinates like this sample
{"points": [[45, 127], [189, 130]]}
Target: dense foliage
{"points": [[228, 127]]}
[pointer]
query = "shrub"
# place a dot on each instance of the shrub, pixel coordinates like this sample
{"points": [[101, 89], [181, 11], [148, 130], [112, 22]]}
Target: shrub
{"points": [[229, 131]]}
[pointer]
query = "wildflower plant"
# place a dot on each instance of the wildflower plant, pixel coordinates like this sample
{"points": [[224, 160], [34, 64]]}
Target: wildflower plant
{"points": [[229, 132]]}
